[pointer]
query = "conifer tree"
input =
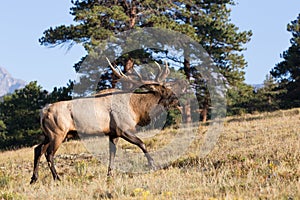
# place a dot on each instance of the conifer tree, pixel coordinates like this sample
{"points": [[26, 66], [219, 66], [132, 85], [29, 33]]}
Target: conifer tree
{"points": [[287, 72], [205, 21]]}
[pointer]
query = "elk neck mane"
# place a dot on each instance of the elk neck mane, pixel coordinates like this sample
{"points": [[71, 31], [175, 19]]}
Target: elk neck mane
{"points": [[142, 103]]}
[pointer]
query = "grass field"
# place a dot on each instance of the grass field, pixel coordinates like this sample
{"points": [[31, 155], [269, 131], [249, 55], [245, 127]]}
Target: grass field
{"points": [[256, 157]]}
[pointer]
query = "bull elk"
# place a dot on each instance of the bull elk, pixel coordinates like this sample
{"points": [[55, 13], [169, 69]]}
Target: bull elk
{"points": [[116, 120]]}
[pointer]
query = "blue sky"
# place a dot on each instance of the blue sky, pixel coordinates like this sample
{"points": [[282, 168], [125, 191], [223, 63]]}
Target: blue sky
{"points": [[268, 21], [22, 23]]}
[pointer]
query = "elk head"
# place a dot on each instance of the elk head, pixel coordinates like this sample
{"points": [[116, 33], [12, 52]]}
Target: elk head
{"points": [[157, 86]]}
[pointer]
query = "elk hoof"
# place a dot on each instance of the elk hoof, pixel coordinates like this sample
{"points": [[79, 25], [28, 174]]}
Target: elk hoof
{"points": [[153, 167], [33, 180], [56, 178]]}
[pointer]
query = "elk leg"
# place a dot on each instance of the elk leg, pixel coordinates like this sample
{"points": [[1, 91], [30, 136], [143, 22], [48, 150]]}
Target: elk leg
{"points": [[130, 137], [50, 156], [50, 160], [38, 152], [112, 153]]}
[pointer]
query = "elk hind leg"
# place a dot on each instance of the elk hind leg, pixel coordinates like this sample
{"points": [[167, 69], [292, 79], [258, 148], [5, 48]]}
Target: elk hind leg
{"points": [[38, 152], [51, 150]]}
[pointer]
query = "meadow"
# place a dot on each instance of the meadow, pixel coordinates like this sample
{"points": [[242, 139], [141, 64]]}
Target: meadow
{"points": [[257, 156]]}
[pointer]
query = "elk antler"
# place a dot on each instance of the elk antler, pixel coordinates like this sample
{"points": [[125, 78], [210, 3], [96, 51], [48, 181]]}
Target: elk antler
{"points": [[138, 74], [114, 70], [160, 77], [118, 72], [162, 74]]}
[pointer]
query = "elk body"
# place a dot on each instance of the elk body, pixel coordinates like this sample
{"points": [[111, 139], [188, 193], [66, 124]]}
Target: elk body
{"points": [[114, 114]]}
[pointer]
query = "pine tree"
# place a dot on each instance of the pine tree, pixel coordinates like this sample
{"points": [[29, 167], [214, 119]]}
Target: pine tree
{"points": [[266, 97], [20, 114], [287, 72], [205, 21]]}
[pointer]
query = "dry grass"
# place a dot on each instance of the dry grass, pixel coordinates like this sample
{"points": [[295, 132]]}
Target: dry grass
{"points": [[256, 157]]}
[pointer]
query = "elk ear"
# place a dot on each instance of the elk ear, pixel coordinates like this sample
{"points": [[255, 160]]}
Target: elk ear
{"points": [[153, 88]]}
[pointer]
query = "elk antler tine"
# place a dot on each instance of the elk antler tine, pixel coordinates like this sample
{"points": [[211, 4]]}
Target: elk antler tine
{"points": [[121, 71], [152, 74], [113, 69], [167, 68], [158, 65], [158, 73], [139, 75], [109, 62], [164, 73]]}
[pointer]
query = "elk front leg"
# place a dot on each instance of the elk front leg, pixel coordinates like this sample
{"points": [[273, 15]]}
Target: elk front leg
{"points": [[130, 137], [112, 153]]}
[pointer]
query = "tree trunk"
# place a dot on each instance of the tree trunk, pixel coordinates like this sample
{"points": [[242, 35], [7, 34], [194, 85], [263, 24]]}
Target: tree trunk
{"points": [[205, 110], [132, 19], [204, 114], [187, 106], [187, 112], [187, 68], [128, 66]]}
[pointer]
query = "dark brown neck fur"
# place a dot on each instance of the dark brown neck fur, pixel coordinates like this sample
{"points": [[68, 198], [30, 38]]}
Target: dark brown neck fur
{"points": [[142, 103]]}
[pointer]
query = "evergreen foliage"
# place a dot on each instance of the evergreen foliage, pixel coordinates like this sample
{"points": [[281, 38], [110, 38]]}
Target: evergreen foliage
{"points": [[20, 114], [287, 72], [205, 21]]}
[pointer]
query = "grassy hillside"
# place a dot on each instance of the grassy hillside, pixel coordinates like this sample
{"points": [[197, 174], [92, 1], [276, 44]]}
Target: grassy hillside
{"points": [[256, 156]]}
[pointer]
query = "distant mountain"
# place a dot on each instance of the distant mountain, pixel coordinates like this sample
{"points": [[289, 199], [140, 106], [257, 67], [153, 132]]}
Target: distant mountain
{"points": [[8, 84], [257, 86]]}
